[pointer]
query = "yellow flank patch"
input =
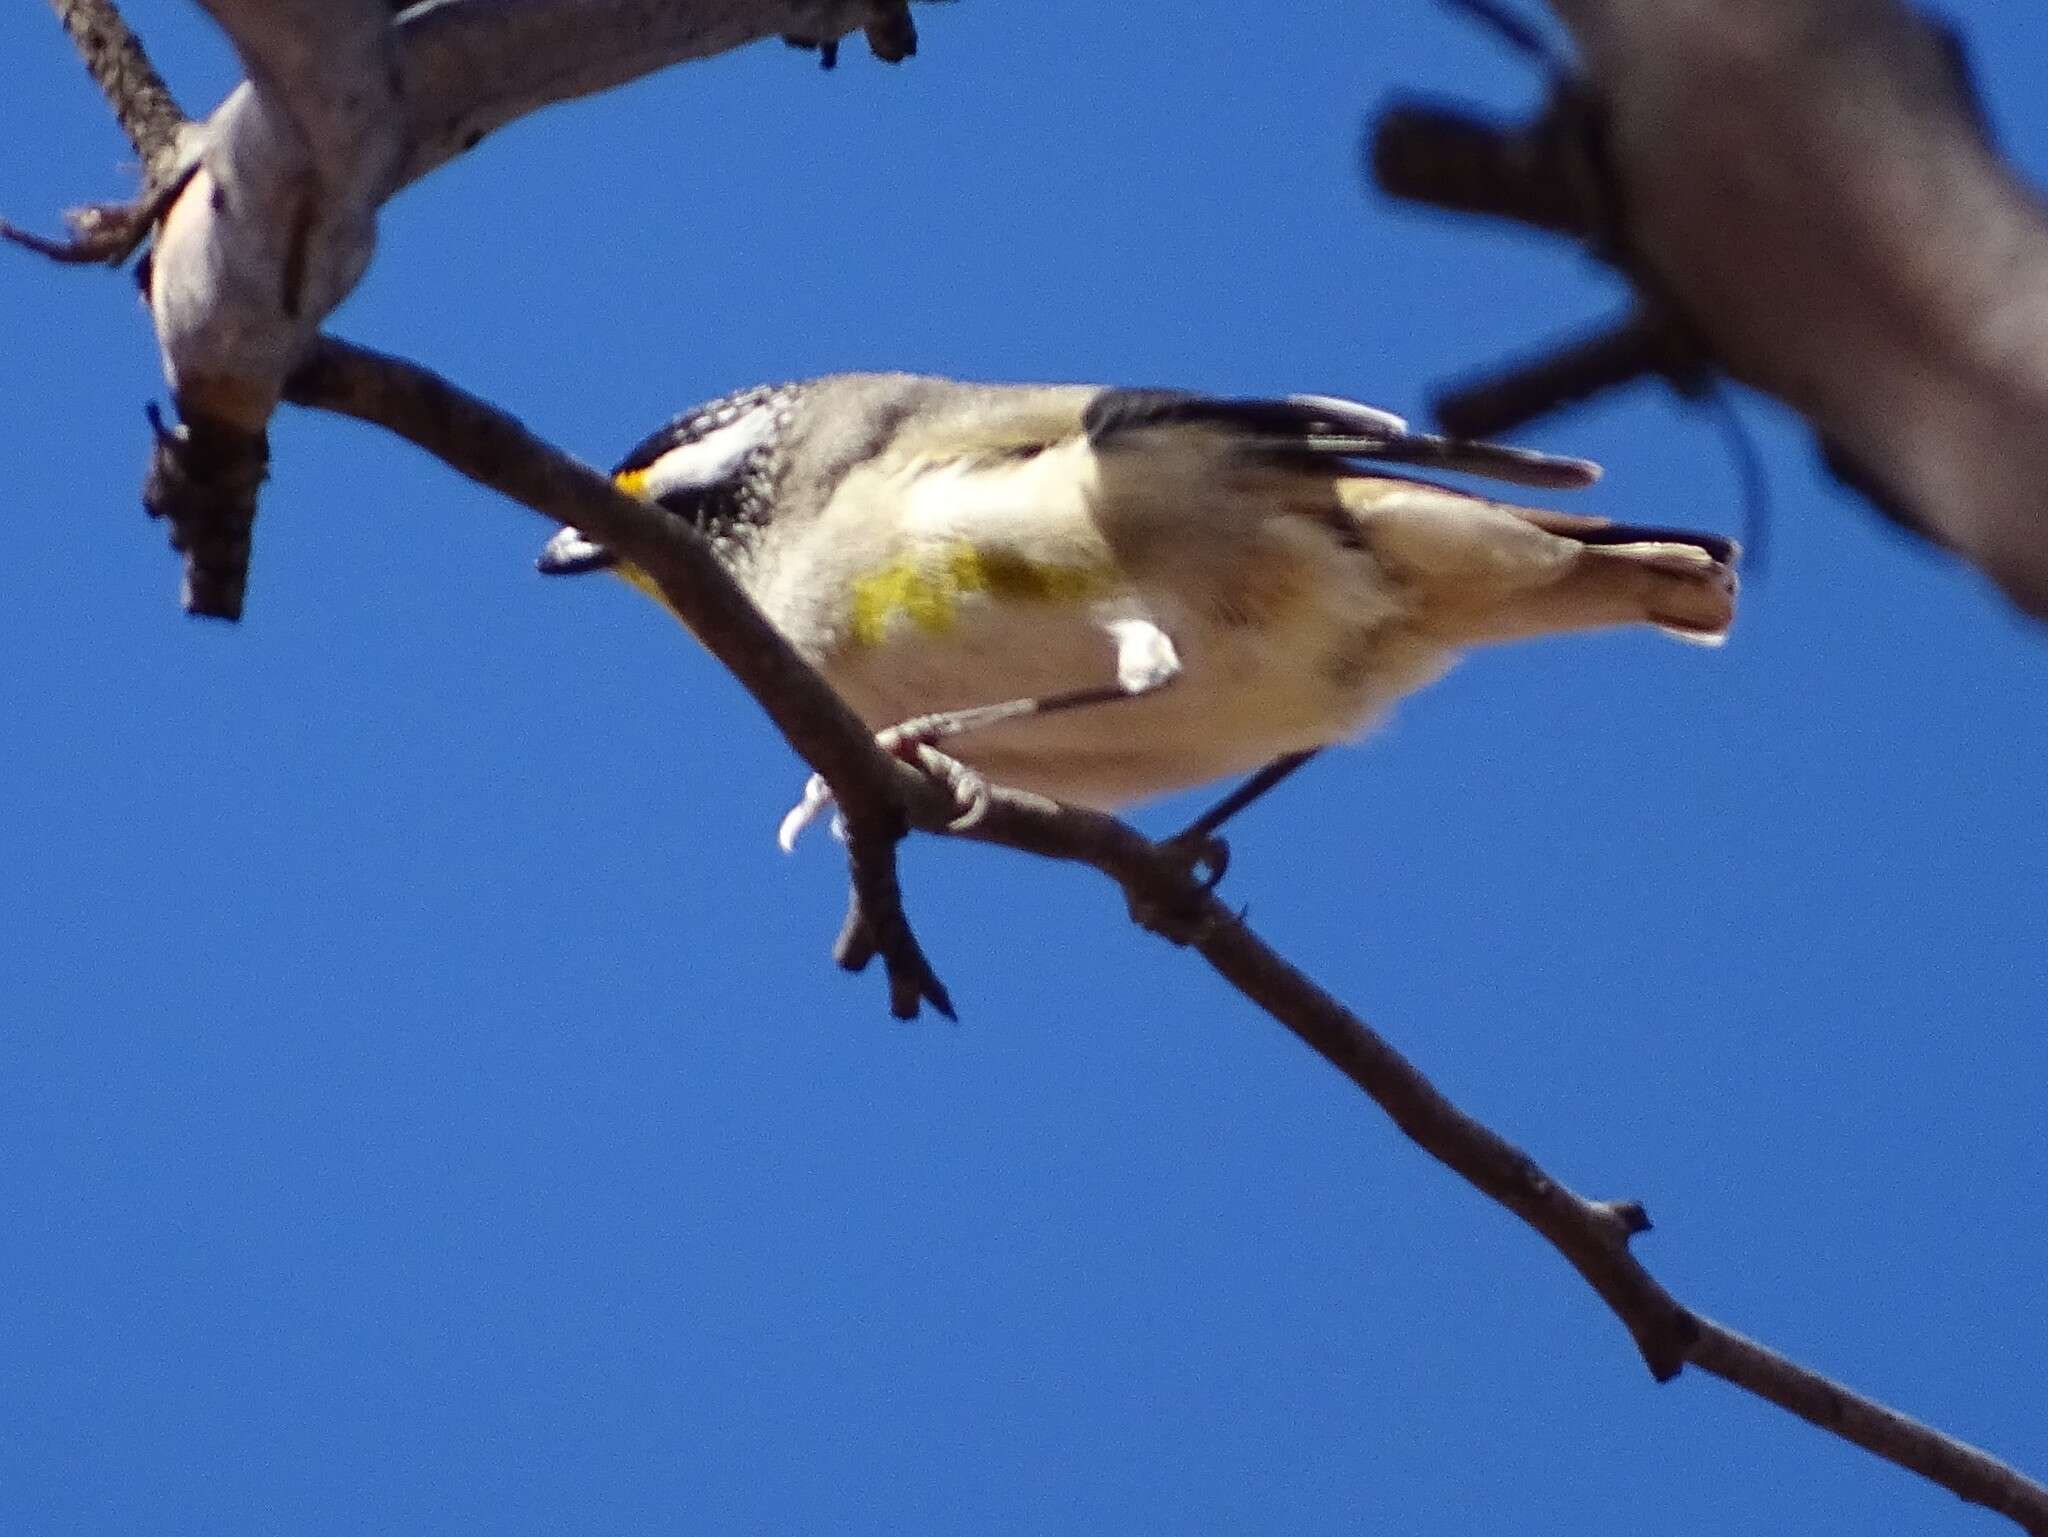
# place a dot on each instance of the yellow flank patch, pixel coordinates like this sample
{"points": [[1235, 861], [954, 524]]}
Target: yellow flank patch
{"points": [[926, 589], [632, 482]]}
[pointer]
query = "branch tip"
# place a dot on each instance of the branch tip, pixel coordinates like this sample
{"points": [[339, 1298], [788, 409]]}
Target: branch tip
{"points": [[876, 924], [94, 239], [890, 33], [1628, 1217], [106, 234], [203, 479], [912, 981]]}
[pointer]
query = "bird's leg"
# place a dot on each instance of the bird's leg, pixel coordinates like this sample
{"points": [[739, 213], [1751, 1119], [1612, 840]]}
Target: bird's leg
{"points": [[1184, 917], [1198, 840], [1146, 662]]}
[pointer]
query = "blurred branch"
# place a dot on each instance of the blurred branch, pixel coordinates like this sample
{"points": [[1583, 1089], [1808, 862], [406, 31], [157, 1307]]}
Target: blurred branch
{"points": [[1807, 190], [882, 797], [1643, 345]]}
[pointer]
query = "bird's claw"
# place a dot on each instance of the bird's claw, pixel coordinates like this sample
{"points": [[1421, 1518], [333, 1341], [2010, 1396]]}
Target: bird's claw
{"points": [[816, 797], [969, 790]]}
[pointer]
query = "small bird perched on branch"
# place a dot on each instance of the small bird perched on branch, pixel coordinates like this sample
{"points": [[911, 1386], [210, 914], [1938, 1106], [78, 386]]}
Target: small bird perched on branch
{"points": [[1104, 594]]}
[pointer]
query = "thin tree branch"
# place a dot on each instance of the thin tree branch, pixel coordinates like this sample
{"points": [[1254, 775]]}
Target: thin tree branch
{"points": [[1452, 158], [1955, 1465], [879, 795], [1591, 1235]]}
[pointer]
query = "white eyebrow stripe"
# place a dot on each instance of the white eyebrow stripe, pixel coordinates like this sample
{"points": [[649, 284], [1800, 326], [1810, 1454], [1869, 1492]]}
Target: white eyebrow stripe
{"points": [[710, 460]]}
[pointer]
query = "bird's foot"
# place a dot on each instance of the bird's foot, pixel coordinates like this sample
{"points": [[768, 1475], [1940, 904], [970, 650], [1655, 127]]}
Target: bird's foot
{"points": [[912, 742]]}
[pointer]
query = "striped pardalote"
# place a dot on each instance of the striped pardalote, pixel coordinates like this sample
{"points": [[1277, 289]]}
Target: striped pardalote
{"points": [[1158, 588]]}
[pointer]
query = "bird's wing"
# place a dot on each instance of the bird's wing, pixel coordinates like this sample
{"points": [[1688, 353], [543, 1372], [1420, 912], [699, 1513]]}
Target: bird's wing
{"points": [[1324, 427]]}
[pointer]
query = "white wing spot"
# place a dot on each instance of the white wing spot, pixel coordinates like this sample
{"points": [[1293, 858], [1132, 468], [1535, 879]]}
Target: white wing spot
{"points": [[1145, 656]]}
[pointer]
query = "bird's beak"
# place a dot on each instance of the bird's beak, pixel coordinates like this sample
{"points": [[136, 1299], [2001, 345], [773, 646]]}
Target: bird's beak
{"points": [[569, 554]]}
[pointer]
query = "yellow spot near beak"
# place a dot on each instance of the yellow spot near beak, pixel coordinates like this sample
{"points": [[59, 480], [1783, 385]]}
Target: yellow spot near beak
{"points": [[634, 483]]}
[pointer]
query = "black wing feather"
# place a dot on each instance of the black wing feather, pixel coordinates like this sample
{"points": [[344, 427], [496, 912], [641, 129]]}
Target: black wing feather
{"points": [[1324, 427]]}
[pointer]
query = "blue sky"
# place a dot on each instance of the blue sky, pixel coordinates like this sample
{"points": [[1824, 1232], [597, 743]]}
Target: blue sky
{"points": [[425, 1101]]}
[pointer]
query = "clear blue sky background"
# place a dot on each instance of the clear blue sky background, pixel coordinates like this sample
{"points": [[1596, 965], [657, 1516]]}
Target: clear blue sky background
{"points": [[426, 1103]]}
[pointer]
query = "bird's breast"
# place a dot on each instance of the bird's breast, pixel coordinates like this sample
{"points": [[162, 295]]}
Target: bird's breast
{"points": [[1289, 642]]}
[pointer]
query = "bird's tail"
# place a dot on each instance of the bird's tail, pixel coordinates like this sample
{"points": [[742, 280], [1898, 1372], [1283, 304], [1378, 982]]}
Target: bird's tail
{"points": [[1684, 586], [1484, 571]]}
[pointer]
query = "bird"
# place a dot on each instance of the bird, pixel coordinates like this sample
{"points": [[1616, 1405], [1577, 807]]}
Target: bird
{"points": [[1101, 594]]}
